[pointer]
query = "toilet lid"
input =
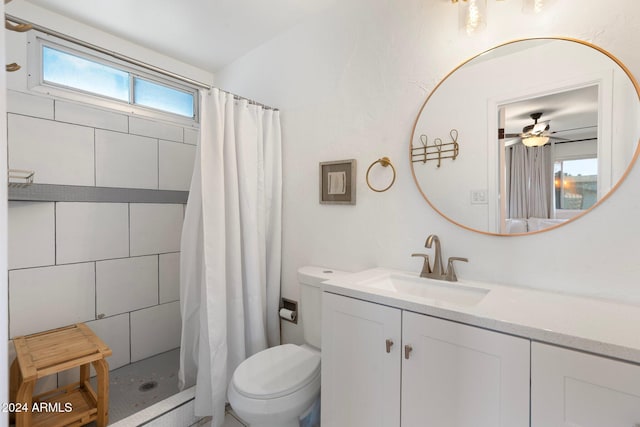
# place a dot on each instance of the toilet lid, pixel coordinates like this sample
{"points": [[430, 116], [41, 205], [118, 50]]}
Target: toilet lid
{"points": [[276, 372]]}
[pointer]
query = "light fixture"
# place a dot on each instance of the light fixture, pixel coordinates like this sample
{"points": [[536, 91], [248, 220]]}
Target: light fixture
{"points": [[535, 141], [533, 6], [472, 15]]}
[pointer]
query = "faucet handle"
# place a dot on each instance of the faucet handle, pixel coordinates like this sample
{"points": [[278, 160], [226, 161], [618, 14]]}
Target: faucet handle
{"points": [[426, 268], [451, 273]]}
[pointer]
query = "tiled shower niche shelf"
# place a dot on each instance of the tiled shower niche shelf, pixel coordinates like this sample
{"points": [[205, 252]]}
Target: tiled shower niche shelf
{"points": [[75, 193]]}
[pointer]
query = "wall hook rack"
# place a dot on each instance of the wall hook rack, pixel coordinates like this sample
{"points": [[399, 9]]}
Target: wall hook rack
{"points": [[19, 28], [436, 151]]}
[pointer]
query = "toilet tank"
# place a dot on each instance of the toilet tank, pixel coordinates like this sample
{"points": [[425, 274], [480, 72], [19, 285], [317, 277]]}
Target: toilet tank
{"points": [[310, 309]]}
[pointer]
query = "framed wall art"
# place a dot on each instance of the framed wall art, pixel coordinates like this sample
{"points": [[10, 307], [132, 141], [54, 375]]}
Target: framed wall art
{"points": [[338, 182]]}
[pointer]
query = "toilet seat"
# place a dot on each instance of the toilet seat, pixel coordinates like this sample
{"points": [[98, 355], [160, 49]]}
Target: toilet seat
{"points": [[276, 372]]}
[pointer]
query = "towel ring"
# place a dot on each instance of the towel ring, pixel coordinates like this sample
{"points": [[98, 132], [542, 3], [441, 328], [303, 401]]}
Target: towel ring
{"points": [[384, 161]]}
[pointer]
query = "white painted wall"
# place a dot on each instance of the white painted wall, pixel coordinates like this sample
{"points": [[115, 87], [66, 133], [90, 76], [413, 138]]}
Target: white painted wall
{"points": [[4, 304], [350, 83]]}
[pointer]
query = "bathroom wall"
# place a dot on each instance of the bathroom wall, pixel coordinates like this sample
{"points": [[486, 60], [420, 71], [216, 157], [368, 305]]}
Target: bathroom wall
{"points": [[350, 82], [4, 320], [112, 265]]}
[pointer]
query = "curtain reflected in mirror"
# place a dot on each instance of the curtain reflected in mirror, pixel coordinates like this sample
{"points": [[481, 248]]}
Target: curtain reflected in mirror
{"points": [[528, 187]]}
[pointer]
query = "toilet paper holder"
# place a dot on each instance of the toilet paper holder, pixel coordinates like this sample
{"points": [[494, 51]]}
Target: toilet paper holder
{"points": [[291, 306]]}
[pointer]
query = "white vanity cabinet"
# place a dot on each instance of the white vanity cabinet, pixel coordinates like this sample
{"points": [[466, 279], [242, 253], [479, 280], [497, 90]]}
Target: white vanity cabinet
{"points": [[459, 376], [570, 388], [431, 372], [360, 378]]}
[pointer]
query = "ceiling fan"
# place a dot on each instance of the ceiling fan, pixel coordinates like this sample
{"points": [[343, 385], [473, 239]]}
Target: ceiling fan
{"points": [[535, 134]]}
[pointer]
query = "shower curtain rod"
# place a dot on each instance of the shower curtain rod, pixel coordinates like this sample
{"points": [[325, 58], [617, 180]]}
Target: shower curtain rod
{"points": [[128, 59]]}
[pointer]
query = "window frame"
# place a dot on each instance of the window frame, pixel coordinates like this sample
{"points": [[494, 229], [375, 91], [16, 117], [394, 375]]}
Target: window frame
{"points": [[35, 80]]}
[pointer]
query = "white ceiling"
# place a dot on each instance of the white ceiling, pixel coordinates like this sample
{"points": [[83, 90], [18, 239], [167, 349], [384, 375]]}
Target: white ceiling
{"points": [[208, 34]]}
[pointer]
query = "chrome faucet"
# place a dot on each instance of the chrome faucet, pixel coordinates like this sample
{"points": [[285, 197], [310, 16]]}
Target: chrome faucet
{"points": [[438, 271]]}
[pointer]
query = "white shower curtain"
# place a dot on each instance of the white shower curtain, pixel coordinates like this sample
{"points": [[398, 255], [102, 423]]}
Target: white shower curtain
{"points": [[230, 248]]}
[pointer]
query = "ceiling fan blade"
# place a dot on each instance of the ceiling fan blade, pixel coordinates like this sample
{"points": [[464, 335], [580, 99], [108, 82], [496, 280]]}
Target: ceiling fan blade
{"points": [[574, 129], [576, 140], [540, 127]]}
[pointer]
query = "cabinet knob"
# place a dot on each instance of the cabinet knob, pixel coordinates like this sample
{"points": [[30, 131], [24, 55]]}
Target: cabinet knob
{"points": [[407, 351], [389, 344]]}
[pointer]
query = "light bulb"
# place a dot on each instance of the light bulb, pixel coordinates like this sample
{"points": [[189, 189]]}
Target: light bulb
{"points": [[472, 15], [534, 6]]}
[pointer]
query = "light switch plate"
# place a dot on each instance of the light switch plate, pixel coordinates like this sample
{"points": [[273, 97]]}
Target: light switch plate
{"points": [[479, 197]]}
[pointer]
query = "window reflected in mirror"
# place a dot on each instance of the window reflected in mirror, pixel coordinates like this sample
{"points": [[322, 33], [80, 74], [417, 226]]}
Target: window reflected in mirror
{"points": [[575, 185]]}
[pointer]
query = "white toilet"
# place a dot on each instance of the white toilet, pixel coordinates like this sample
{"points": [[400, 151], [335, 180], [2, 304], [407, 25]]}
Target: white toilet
{"points": [[277, 386]]}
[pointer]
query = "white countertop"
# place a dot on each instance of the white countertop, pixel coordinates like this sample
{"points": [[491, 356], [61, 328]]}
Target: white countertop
{"points": [[597, 326]]}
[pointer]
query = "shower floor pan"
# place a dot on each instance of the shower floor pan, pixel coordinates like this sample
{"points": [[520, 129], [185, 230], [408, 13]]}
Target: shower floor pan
{"points": [[141, 384]]}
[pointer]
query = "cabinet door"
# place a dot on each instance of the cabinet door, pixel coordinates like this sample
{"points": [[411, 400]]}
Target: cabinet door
{"points": [[570, 388], [360, 379], [461, 376]]}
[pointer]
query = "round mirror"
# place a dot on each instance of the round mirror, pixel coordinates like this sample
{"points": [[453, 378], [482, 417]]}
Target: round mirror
{"points": [[526, 136]]}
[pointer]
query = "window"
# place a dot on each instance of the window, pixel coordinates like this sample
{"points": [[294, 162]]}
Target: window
{"points": [[576, 183], [161, 97], [77, 72]]}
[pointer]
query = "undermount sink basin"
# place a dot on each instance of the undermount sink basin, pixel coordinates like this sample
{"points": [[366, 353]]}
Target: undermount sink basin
{"points": [[413, 286]]}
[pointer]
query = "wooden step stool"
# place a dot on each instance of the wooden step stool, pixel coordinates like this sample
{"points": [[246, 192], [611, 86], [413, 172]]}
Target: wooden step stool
{"points": [[47, 353]]}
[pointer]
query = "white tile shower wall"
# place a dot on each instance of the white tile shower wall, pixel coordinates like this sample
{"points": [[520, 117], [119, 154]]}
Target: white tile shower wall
{"points": [[71, 112], [64, 294], [70, 143], [91, 231], [154, 129], [137, 278], [59, 153], [126, 161], [155, 228], [29, 105], [176, 165], [50, 297], [114, 331], [155, 330], [169, 277], [31, 234], [72, 262], [191, 136]]}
